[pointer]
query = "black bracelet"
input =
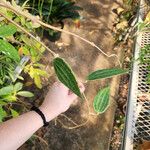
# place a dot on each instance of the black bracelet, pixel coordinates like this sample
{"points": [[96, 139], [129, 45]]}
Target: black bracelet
{"points": [[37, 110]]}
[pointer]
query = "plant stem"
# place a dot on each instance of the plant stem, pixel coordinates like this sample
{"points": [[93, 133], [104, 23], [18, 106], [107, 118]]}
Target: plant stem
{"points": [[69, 119], [76, 125], [50, 10], [41, 139], [33, 5]]}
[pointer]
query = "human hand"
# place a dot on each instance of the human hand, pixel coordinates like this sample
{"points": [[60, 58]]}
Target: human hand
{"points": [[58, 100]]}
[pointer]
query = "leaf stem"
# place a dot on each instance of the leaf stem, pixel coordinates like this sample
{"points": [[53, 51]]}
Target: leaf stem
{"points": [[76, 125]]}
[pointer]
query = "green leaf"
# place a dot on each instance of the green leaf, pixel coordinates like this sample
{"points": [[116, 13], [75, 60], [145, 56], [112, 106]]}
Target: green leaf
{"points": [[25, 51], [9, 50], [6, 90], [106, 73], [2, 103], [37, 81], [20, 77], [25, 94], [18, 86], [9, 98], [7, 30], [66, 75], [41, 72], [101, 100], [3, 114], [14, 113], [26, 40]]}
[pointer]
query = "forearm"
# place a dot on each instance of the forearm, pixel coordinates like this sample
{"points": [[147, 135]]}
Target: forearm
{"points": [[14, 132]]}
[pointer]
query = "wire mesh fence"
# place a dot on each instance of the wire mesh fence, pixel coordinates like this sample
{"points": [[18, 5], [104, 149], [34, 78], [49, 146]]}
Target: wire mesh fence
{"points": [[137, 127]]}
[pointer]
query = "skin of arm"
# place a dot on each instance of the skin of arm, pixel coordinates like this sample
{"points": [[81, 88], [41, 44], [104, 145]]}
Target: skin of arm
{"points": [[16, 131]]}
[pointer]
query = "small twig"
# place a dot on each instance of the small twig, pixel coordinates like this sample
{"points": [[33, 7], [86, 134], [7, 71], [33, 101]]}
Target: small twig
{"points": [[87, 103], [89, 113], [93, 114], [41, 139], [74, 127], [69, 119]]}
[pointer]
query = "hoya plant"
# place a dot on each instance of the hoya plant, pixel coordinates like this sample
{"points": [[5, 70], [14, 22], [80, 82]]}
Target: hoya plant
{"points": [[67, 77]]}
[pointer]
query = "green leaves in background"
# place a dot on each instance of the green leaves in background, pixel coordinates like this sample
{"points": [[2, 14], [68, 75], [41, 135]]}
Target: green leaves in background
{"points": [[36, 71], [3, 114], [14, 113], [101, 100], [18, 86], [9, 50], [6, 90], [106, 73], [7, 30], [9, 93], [66, 75], [7, 67], [25, 94]]}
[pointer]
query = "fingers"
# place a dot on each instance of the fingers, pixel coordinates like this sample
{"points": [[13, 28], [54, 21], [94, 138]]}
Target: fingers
{"points": [[80, 84], [59, 84]]}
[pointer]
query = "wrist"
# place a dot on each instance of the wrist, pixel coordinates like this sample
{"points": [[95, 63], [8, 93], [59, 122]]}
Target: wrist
{"points": [[49, 113], [40, 113]]}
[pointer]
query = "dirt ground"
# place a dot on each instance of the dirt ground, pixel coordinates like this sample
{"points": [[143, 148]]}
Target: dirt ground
{"points": [[96, 26]]}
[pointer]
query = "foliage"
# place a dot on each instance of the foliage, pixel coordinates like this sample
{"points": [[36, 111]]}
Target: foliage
{"points": [[145, 25], [125, 22], [8, 54], [36, 71], [106, 73], [9, 50], [14, 45], [35, 51], [65, 75], [24, 46], [7, 30], [101, 100], [54, 12], [9, 94], [7, 66], [144, 59], [145, 51]]}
